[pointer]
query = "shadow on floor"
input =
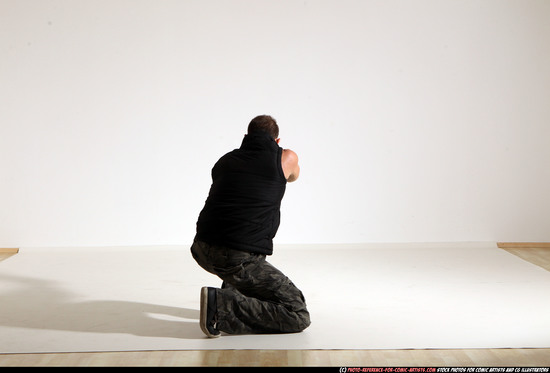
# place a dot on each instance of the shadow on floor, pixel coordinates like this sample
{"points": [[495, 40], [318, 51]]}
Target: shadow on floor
{"points": [[41, 304]]}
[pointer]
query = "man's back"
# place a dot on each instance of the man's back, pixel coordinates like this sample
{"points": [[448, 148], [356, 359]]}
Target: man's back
{"points": [[243, 207]]}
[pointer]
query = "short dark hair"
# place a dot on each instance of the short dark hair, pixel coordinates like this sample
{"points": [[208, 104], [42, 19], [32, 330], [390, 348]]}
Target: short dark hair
{"points": [[266, 124]]}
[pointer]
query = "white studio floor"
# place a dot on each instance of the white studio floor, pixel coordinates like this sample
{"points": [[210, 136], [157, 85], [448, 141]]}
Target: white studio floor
{"points": [[386, 296]]}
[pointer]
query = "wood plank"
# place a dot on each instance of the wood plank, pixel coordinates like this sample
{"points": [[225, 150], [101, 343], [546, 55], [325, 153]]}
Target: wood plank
{"points": [[5, 253], [523, 245], [8, 250], [380, 358]]}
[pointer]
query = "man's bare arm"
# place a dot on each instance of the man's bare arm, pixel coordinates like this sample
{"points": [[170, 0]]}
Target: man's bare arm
{"points": [[289, 161]]}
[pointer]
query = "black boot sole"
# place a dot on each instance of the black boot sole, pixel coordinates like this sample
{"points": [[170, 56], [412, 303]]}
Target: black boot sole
{"points": [[211, 333]]}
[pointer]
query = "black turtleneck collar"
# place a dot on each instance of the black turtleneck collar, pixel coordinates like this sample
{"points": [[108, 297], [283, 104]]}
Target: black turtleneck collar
{"points": [[259, 140]]}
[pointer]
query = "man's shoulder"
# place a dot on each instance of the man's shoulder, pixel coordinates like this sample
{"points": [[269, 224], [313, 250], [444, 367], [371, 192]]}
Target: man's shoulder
{"points": [[290, 154]]}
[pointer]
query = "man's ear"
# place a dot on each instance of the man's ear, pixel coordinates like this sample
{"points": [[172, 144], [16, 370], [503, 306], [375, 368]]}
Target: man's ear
{"points": [[277, 140]]}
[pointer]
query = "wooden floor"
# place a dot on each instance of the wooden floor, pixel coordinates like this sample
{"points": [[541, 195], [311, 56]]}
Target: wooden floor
{"points": [[297, 358]]}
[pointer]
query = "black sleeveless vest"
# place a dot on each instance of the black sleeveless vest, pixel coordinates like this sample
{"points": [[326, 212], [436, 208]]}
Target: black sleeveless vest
{"points": [[242, 210]]}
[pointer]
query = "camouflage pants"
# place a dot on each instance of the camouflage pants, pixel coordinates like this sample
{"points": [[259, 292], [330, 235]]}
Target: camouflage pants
{"points": [[255, 297]]}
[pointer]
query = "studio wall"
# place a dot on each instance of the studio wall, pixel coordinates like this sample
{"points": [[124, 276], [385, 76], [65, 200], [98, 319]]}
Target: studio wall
{"points": [[414, 121]]}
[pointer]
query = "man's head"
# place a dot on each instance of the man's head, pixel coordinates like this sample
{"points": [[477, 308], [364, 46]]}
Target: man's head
{"points": [[266, 124]]}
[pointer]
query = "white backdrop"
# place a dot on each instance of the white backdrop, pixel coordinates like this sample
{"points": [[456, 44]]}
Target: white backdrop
{"points": [[414, 120]]}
